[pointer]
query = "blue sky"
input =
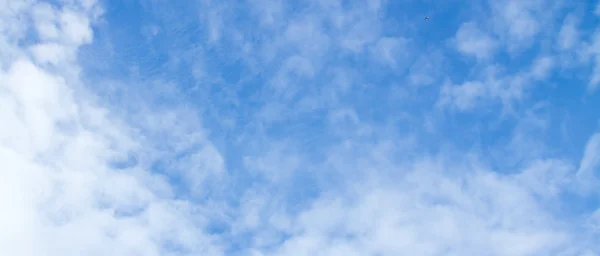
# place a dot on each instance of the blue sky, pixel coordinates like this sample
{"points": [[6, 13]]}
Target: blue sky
{"points": [[149, 127]]}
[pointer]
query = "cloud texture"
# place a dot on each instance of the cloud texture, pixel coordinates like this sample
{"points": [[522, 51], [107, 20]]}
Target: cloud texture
{"points": [[151, 127]]}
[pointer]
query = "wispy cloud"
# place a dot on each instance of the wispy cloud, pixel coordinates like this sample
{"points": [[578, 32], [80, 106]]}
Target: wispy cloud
{"points": [[470, 40], [590, 163], [568, 36], [296, 128]]}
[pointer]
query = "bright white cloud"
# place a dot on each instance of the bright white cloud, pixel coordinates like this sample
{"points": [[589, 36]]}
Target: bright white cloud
{"points": [[61, 195]]}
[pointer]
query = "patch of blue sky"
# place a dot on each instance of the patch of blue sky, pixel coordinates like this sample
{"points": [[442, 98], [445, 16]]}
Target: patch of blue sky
{"points": [[184, 35]]}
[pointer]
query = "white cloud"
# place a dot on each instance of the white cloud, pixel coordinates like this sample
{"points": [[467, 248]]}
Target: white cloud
{"points": [[276, 164], [594, 221], [522, 24], [214, 24], [307, 36], [568, 36], [357, 27], [592, 52], [199, 167], [464, 96], [470, 40], [541, 67], [270, 12], [359, 34], [547, 178], [62, 195], [45, 17], [518, 22], [422, 211], [37, 100], [63, 178], [392, 51], [51, 53], [494, 84], [75, 27], [136, 173], [285, 86], [590, 163], [427, 68]]}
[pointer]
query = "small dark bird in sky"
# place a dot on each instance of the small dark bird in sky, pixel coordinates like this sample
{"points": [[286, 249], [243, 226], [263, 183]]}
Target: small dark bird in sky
{"points": [[427, 18]]}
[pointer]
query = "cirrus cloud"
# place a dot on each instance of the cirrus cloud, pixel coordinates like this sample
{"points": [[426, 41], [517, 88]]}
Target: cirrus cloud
{"points": [[294, 128]]}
